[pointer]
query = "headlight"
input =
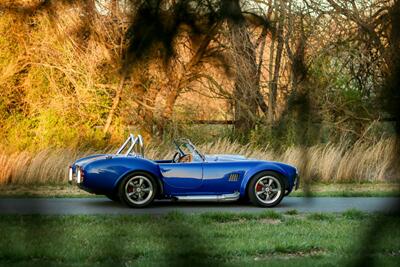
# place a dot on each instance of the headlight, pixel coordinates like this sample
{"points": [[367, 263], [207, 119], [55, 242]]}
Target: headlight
{"points": [[78, 175], [70, 174]]}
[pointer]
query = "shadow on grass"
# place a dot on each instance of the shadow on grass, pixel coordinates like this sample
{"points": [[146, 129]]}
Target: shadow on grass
{"points": [[178, 243]]}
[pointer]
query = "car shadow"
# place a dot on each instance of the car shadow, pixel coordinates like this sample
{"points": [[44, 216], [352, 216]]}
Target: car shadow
{"points": [[168, 204]]}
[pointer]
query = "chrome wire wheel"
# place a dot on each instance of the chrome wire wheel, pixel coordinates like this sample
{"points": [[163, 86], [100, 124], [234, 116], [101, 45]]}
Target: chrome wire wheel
{"points": [[268, 189], [139, 190]]}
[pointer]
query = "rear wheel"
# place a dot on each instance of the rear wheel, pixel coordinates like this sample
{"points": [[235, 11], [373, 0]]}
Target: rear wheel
{"points": [[266, 189], [138, 190]]}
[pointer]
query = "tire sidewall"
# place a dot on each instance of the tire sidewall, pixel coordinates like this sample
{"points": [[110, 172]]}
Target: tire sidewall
{"points": [[121, 190], [252, 194]]}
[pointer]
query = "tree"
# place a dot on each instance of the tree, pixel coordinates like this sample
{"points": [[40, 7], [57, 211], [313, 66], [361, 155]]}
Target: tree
{"points": [[156, 25], [246, 92]]}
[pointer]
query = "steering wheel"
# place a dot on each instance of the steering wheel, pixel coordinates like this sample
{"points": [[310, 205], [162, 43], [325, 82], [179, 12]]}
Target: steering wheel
{"points": [[176, 157]]}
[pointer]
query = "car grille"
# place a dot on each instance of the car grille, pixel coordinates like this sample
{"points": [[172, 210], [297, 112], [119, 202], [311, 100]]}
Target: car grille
{"points": [[234, 177]]}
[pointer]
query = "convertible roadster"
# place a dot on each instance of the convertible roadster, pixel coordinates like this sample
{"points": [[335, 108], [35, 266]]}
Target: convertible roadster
{"points": [[128, 176]]}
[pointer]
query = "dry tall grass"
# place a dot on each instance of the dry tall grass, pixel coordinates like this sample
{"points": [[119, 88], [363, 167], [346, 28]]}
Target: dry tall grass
{"points": [[326, 163]]}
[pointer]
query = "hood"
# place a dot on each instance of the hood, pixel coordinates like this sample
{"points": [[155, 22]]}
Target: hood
{"points": [[225, 157]]}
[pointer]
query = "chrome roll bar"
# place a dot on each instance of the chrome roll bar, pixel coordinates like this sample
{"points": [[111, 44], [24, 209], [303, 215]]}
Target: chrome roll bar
{"points": [[134, 141]]}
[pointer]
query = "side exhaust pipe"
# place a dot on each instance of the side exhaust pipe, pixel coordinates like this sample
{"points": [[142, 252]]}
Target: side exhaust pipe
{"points": [[211, 198]]}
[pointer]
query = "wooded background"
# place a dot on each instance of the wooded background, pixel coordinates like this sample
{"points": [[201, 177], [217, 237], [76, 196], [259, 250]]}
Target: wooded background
{"points": [[77, 73]]}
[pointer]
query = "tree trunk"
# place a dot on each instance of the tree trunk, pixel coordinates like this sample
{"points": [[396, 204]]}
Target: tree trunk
{"points": [[391, 91], [146, 111], [260, 98], [115, 104], [90, 7], [271, 74], [114, 8], [177, 82], [173, 94], [279, 49], [246, 89], [300, 91], [170, 103]]}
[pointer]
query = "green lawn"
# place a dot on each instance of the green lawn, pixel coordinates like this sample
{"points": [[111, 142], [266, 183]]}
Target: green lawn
{"points": [[351, 190], [320, 239]]}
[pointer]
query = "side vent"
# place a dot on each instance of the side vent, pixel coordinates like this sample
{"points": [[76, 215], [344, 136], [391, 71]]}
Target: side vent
{"points": [[234, 177]]}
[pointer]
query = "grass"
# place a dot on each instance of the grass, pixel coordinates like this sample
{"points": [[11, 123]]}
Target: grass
{"points": [[354, 214], [199, 239], [317, 190], [292, 212], [351, 190], [324, 163], [34, 191]]}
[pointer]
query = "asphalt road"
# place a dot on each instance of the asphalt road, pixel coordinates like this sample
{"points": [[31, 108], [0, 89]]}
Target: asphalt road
{"points": [[104, 206]]}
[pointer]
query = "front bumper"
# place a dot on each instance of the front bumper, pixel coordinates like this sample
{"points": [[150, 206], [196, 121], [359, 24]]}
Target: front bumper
{"points": [[75, 175]]}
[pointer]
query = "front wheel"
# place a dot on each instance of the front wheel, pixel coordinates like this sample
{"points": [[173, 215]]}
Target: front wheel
{"points": [[266, 189], [138, 190]]}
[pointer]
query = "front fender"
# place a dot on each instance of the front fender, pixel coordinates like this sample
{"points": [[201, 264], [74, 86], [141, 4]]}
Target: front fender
{"points": [[260, 168]]}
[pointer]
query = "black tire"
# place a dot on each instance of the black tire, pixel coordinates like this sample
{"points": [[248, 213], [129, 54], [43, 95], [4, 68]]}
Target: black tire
{"points": [[113, 197], [277, 184], [131, 182]]}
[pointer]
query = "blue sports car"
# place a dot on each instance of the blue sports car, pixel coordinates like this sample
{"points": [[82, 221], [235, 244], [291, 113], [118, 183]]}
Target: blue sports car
{"points": [[131, 178]]}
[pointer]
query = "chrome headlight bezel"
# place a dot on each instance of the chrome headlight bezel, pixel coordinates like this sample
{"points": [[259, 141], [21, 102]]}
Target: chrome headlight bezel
{"points": [[70, 174], [78, 175]]}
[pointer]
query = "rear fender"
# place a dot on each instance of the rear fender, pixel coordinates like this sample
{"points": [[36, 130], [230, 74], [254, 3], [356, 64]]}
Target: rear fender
{"points": [[260, 168], [140, 165]]}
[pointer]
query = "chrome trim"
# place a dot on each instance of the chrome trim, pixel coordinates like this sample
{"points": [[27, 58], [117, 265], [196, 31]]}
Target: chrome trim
{"points": [[197, 151], [138, 140], [133, 141], [141, 186], [271, 189], [78, 175], [141, 145], [70, 174], [179, 143], [124, 145], [214, 198]]}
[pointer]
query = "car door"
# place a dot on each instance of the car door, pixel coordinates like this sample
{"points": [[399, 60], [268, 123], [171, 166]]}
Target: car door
{"points": [[223, 177], [182, 177]]}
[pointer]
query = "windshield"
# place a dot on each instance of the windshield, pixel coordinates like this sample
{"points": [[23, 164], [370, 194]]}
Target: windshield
{"points": [[185, 147]]}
